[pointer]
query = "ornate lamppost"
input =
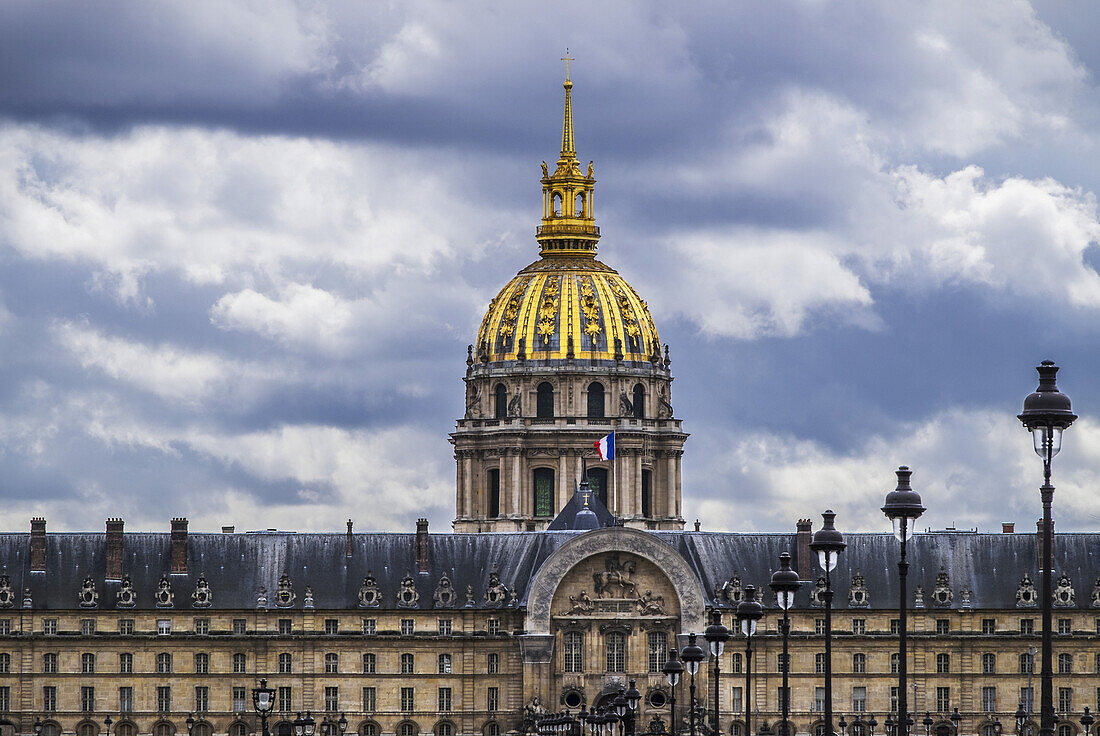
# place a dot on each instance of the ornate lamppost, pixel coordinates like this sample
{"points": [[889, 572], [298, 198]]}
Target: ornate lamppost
{"points": [[749, 611], [955, 718], [903, 508], [1047, 412], [190, 723], [107, 722], [1086, 722], [828, 543], [785, 584], [716, 635], [620, 705], [927, 723], [263, 700], [692, 655], [672, 670], [633, 700]]}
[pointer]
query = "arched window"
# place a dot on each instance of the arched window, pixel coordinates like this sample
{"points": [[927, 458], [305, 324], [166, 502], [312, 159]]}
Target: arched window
{"points": [[202, 664], [332, 663], [647, 493], [87, 663], [639, 401], [989, 663], [284, 663], [49, 728], [595, 400], [201, 728], [555, 204], [492, 729], [615, 658], [237, 729], [444, 729], [543, 481], [500, 401], [1027, 664], [544, 406], [597, 479], [579, 204], [369, 663], [87, 729], [735, 662], [444, 664], [943, 663], [574, 651], [859, 663], [989, 730], [164, 663], [493, 493], [736, 729], [406, 664], [164, 728], [895, 660], [1065, 664], [240, 663], [407, 729], [1065, 730], [128, 729], [370, 728]]}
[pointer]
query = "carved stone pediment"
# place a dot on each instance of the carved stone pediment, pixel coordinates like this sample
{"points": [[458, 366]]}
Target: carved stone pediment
{"points": [[445, 595], [285, 595], [203, 597], [88, 596], [1064, 595], [126, 597], [369, 594], [496, 594], [164, 596], [7, 595], [858, 597], [941, 594], [1026, 597], [407, 594]]}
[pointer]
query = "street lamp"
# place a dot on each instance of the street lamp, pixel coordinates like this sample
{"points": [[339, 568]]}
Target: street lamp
{"points": [[716, 635], [842, 724], [299, 724], [1047, 412], [673, 669], [309, 723], [37, 726], [828, 543], [190, 723], [927, 723], [888, 724], [1086, 722], [263, 701], [749, 611], [107, 722], [903, 508], [955, 718], [692, 655], [785, 584], [633, 699]]}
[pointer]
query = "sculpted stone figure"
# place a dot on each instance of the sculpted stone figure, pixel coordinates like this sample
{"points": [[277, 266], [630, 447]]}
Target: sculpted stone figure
{"points": [[581, 603]]}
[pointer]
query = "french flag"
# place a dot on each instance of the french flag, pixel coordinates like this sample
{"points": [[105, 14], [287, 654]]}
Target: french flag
{"points": [[606, 447]]}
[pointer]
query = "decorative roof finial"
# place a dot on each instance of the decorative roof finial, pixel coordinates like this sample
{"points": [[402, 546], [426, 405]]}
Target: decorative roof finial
{"points": [[568, 150]]}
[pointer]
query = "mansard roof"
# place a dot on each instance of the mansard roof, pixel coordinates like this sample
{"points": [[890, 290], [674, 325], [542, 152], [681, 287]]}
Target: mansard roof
{"points": [[236, 566]]}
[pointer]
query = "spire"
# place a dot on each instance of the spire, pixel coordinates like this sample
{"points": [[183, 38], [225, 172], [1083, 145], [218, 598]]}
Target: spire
{"points": [[568, 150]]}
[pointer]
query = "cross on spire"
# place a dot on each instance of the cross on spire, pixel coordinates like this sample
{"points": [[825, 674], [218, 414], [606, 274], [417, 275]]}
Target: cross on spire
{"points": [[567, 58]]}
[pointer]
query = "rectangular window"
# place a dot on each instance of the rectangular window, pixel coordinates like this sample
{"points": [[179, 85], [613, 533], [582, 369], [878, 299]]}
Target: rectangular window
{"points": [[202, 698], [332, 698], [5, 699], [445, 626], [5, 627], [164, 663], [895, 666], [126, 626], [332, 626], [1098, 626], [658, 650], [370, 625], [1027, 698], [943, 663], [370, 663], [444, 664], [735, 663], [49, 626], [989, 663], [819, 663], [87, 699], [239, 699], [493, 626], [544, 491], [406, 664], [5, 663], [87, 663], [1098, 699], [370, 701], [1065, 626], [989, 626], [126, 663], [164, 699], [164, 627], [202, 626], [202, 663], [285, 667], [819, 626], [492, 699], [1027, 626], [943, 699], [859, 699], [782, 695], [240, 626], [444, 699], [286, 703], [989, 700], [240, 662], [859, 626], [285, 627], [126, 699], [943, 626], [493, 664], [859, 663], [894, 699], [87, 626], [1065, 699], [895, 627], [782, 662], [332, 663], [819, 699], [1065, 664], [735, 699], [49, 698], [49, 663], [407, 700]]}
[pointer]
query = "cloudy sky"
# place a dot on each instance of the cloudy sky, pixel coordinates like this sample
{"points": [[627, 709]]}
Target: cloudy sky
{"points": [[243, 247]]}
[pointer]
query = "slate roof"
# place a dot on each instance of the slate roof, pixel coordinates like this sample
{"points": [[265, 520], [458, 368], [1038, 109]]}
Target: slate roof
{"points": [[566, 518], [237, 565]]}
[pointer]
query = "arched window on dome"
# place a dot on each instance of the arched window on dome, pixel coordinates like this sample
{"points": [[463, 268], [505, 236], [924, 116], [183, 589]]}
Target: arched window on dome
{"points": [[579, 202], [544, 406], [597, 479], [595, 400], [639, 401], [647, 493], [543, 486], [493, 493], [556, 204], [500, 401]]}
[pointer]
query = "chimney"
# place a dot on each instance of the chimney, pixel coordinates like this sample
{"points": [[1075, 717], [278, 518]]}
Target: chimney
{"points": [[114, 549], [421, 544], [38, 544], [1008, 527], [1039, 528], [803, 537], [347, 541], [228, 529], [698, 526], [179, 545]]}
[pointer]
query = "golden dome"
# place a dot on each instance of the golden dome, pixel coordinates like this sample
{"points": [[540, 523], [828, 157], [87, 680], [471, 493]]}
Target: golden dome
{"points": [[568, 305], [562, 308]]}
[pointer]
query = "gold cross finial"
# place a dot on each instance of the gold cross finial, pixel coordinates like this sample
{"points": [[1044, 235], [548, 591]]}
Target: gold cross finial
{"points": [[567, 58]]}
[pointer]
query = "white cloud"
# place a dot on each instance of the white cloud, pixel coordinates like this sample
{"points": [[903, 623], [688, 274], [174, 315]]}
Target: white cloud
{"points": [[302, 314]]}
